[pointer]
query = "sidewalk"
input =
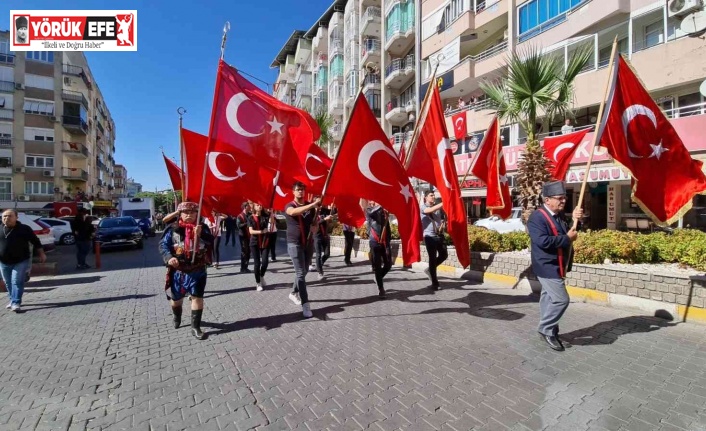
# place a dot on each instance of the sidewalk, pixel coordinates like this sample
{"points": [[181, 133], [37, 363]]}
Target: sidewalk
{"points": [[96, 350]]}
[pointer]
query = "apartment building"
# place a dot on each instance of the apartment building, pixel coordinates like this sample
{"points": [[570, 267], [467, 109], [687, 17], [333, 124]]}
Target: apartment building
{"points": [[57, 137], [132, 188], [119, 182], [474, 38], [354, 44]]}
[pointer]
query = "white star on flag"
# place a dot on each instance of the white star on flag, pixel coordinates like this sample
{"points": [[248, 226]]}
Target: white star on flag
{"points": [[503, 179], [275, 126], [240, 173], [404, 191], [657, 150]]}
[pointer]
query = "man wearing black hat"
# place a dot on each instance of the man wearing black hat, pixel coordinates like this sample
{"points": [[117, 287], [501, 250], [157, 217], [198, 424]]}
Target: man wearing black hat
{"points": [[21, 26], [551, 241]]}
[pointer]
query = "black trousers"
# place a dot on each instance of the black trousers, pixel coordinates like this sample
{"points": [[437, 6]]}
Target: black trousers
{"points": [[230, 234], [323, 251], [260, 260], [244, 252], [348, 248], [436, 249], [273, 245], [382, 261], [216, 250]]}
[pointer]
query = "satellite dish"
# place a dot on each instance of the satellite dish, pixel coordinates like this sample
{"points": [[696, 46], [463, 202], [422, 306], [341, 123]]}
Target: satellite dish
{"points": [[702, 89], [694, 23]]}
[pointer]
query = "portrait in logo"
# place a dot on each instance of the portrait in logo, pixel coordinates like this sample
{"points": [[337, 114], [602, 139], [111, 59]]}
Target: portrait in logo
{"points": [[22, 30]]}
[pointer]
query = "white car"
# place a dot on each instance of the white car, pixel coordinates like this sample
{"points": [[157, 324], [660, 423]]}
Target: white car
{"points": [[43, 232], [61, 230], [511, 224]]}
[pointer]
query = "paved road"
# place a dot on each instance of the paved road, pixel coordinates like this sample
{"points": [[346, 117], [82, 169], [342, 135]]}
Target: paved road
{"points": [[95, 350]]}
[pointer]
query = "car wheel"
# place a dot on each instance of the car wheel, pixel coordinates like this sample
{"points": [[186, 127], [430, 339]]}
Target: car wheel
{"points": [[68, 239]]}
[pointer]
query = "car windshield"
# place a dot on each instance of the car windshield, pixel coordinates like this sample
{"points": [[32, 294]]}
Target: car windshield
{"points": [[137, 214], [117, 222]]}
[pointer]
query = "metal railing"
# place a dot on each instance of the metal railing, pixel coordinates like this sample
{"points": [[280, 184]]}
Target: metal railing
{"points": [[392, 104], [74, 173], [370, 14], [370, 45], [398, 138], [74, 147], [74, 96], [70, 69], [74, 123], [686, 111], [409, 63], [7, 196], [7, 86], [5, 142], [395, 65], [490, 52], [371, 79]]}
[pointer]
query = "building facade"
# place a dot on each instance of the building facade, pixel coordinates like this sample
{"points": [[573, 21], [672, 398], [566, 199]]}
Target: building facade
{"points": [[57, 137], [357, 45], [120, 182], [132, 188]]}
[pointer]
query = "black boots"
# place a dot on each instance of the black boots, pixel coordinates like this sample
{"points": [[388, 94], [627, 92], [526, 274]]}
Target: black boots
{"points": [[196, 324], [176, 311]]}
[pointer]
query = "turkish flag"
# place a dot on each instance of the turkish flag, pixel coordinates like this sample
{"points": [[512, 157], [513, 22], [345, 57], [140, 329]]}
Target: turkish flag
{"points": [[560, 149], [347, 208], [316, 164], [639, 136], [174, 173], [228, 173], [258, 125], [63, 209], [459, 122], [487, 168], [432, 158], [402, 155], [366, 166]]}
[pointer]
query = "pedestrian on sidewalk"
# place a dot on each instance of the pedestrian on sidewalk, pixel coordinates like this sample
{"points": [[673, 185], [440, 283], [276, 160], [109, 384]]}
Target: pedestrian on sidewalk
{"points": [[433, 236], [241, 223], [300, 218], [272, 241], [258, 222], [186, 273], [379, 236], [15, 256], [215, 227], [83, 232], [348, 236], [551, 241]]}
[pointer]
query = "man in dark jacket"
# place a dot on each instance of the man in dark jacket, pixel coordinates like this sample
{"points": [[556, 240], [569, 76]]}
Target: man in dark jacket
{"points": [[551, 242], [83, 231], [241, 222], [15, 256]]}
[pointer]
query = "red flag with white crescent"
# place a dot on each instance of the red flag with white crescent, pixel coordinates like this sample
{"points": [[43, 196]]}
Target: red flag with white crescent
{"points": [[560, 149]]}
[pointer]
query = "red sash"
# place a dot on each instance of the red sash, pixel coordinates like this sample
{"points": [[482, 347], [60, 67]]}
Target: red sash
{"points": [[562, 270]]}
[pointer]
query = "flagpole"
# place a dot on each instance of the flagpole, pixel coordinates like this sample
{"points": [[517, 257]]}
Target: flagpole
{"points": [[226, 28], [181, 111], [423, 111], [596, 133]]}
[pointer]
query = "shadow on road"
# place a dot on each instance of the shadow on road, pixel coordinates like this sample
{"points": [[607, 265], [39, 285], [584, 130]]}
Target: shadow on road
{"points": [[56, 282], [46, 305], [608, 332]]}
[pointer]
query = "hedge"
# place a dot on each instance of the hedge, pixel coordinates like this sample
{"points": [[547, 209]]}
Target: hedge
{"points": [[683, 246]]}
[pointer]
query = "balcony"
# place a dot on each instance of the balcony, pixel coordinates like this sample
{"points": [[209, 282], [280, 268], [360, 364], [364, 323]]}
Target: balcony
{"points": [[74, 96], [74, 150], [5, 142], [303, 99], [321, 101], [303, 51], [99, 126], [70, 69], [399, 35], [370, 22], [320, 42], [335, 47], [398, 139], [371, 82], [7, 114], [396, 73], [74, 174], [351, 87], [74, 125], [395, 112], [337, 131], [100, 164], [7, 58], [370, 51], [7, 86], [290, 66]]}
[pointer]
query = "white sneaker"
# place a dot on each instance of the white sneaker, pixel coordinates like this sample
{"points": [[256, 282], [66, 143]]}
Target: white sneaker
{"points": [[306, 311], [259, 288], [9, 305], [262, 282], [294, 297], [312, 267], [16, 308], [322, 277], [427, 273]]}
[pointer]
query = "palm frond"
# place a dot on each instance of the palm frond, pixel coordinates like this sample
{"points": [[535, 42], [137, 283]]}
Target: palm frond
{"points": [[325, 122]]}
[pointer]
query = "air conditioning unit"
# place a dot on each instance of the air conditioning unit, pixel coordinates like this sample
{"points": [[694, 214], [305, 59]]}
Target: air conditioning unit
{"points": [[23, 198], [20, 170], [19, 86], [679, 8], [54, 119], [48, 173]]}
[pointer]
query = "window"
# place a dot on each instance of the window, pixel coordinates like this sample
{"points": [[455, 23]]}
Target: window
{"points": [[40, 107], [653, 34], [7, 74], [5, 162], [536, 16], [5, 188], [32, 161], [39, 187], [37, 81], [5, 130], [5, 47], [37, 134], [373, 98], [337, 65], [430, 23], [690, 104], [45, 56]]}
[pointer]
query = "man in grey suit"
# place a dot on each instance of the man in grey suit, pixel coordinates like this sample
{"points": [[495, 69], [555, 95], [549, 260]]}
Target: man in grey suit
{"points": [[551, 242]]}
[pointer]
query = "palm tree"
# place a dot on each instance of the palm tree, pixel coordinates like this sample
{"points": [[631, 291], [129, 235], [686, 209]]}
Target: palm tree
{"points": [[536, 85], [325, 122]]}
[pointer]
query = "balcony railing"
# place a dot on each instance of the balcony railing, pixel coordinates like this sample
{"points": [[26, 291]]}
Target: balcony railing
{"points": [[409, 63], [398, 139], [392, 104], [490, 52], [370, 45], [395, 65], [76, 124], [371, 13], [74, 96], [7, 86], [74, 147], [5, 142], [371, 79], [101, 165], [70, 69], [550, 23], [7, 58], [7, 114], [74, 174], [100, 126]]}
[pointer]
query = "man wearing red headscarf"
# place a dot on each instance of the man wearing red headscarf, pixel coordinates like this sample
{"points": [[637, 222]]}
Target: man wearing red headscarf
{"points": [[186, 274]]}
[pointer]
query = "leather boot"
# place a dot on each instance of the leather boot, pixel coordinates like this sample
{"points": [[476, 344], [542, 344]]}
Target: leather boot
{"points": [[176, 312], [196, 324]]}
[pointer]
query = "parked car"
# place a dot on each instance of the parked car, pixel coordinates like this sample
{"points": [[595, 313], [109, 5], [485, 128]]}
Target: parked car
{"points": [[118, 232], [42, 231], [61, 230], [511, 224]]}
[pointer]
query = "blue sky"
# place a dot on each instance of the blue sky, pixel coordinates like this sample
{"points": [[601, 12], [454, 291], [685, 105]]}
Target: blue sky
{"points": [[175, 65]]}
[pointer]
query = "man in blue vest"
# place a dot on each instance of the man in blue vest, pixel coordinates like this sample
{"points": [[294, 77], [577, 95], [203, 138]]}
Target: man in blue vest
{"points": [[551, 258]]}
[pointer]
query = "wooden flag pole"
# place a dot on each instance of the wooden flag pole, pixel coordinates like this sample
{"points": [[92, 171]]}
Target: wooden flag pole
{"points": [[424, 109], [597, 132], [181, 111], [226, 28]]}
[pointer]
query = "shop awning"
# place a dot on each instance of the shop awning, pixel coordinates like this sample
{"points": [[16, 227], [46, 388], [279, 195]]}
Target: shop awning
{"points": [[473, 193]]}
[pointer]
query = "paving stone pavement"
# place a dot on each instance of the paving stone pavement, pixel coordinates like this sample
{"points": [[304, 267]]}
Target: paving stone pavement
{"points": [[95, 350]]}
